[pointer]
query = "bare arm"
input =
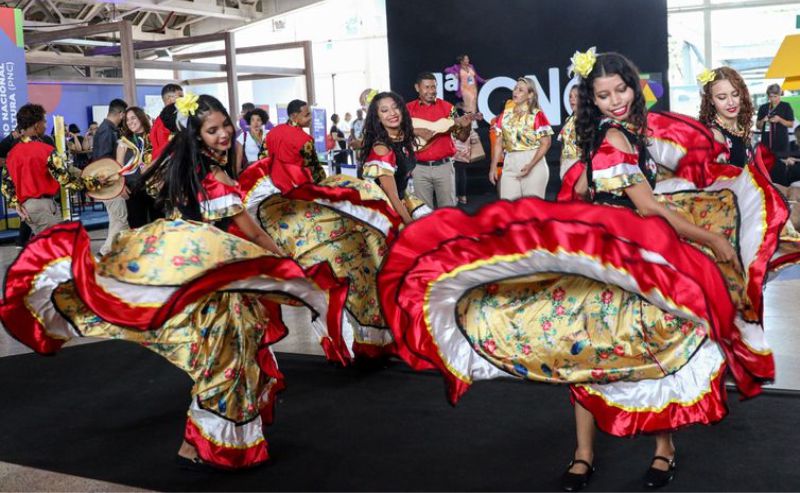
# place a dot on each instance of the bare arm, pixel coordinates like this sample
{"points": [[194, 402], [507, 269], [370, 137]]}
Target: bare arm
{"points": [[581, 187], [497, 153], [239, 157], [121, 154], [390, 188], [646, 204], [255, 234]]}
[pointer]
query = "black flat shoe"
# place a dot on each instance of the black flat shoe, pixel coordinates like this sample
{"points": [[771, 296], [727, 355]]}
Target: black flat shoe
{"points": [[656, 478], [195, 464], [571, 481]]}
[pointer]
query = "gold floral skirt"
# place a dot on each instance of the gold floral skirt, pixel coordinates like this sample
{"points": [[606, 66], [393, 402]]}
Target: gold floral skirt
{"points": [[205, 300]]}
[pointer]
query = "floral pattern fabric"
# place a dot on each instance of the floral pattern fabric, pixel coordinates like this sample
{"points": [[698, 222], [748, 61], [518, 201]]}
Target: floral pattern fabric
{"points": [[522, 132], [312, 233], [564, 328], [569, 140]]}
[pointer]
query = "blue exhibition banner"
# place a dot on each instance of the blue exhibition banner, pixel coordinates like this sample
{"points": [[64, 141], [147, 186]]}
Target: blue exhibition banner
{"points": [[318, 130], [13, 86], [13, 80]]}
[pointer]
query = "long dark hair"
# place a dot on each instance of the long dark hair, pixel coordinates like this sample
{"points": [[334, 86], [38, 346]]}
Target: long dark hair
{"points": [[374, 131], [589, 115], [180, 168], [141, 116]]}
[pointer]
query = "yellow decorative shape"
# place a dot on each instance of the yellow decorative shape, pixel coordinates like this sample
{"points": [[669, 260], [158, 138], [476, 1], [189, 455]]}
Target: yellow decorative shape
{"points": [[785, 62]]}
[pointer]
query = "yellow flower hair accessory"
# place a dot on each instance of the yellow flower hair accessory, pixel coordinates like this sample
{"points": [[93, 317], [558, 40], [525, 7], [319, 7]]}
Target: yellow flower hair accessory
{"points": [[706, 76], [187, 106], [583, 63]]}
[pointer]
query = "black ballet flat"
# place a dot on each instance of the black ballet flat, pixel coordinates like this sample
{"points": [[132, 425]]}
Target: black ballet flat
{"points": [[571, 481], [656, 478], [195, 464]]}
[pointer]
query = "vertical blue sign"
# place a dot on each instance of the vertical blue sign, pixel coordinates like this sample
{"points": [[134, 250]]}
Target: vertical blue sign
{"points": [[318, 130], [13, 85]]}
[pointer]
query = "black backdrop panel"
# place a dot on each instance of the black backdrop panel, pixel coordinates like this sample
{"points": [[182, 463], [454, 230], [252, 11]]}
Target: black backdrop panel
{"points": [[511, 38]]}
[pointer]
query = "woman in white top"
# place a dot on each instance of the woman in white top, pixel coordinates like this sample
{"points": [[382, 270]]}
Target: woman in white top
{"points": [[251, 142]]}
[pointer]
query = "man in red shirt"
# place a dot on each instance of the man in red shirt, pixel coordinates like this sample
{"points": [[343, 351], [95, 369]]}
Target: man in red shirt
{"points": [[292, 150], [159, 132], [35, 172], [434, 175]]}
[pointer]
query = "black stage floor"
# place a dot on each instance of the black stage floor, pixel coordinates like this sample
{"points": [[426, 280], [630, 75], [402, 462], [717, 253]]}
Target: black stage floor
{"points": [[114, 411]]}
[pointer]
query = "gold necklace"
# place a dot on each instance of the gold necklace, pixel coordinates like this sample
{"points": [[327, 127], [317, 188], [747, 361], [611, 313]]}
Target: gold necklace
{"points": [[734, 129]]}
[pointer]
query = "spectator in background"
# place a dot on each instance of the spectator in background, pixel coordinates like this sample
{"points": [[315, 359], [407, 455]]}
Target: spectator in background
{"points": [[88, 138], [105, 146], [159, 132], [76, 144], [243, 124], [339, 150], [774, 119], [250, 146], [134, 149], [35, 173], [345, 125], [357, 130]]}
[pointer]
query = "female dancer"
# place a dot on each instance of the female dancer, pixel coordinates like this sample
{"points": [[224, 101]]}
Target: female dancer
{"points": [[135, 153], [388, 152], [342, 221], [203, 299], [726, 108], [526, 138], [607, 296], [570, 153]]}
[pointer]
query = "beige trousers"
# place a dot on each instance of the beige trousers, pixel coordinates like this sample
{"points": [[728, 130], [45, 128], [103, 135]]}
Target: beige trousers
{"points": [[435, 185], [534, 184], [43, 213], [117, 221]]}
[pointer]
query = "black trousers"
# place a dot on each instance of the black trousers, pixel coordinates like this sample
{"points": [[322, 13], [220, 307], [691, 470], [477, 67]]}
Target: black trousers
{"points": [[142, 209], [783, 174], [461, 178]]}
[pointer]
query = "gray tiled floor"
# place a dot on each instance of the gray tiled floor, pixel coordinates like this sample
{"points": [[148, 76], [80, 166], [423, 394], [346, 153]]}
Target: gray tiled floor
{"points": [[782, 325]]}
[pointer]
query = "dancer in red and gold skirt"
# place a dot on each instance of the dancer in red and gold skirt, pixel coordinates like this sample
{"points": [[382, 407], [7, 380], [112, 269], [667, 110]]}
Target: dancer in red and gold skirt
{"points": [[339, 220], [607, 296], [205, 300]]}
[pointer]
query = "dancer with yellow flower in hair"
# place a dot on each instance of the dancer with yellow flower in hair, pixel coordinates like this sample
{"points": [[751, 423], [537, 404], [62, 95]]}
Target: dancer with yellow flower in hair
{"points": [[638, 304], [345, 222], [205, 300]]}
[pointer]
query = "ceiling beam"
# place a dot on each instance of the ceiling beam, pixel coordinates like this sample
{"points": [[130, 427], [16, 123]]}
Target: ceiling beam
{"points": [[185, 7], [242, 51], [50, 79], [43, 37], [217, 80], [52, 58], [732, 5], [152, 45]]}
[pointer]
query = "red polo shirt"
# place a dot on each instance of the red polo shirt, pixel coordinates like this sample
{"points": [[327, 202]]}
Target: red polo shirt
{"points": [[27, 167], [442, 145]]}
